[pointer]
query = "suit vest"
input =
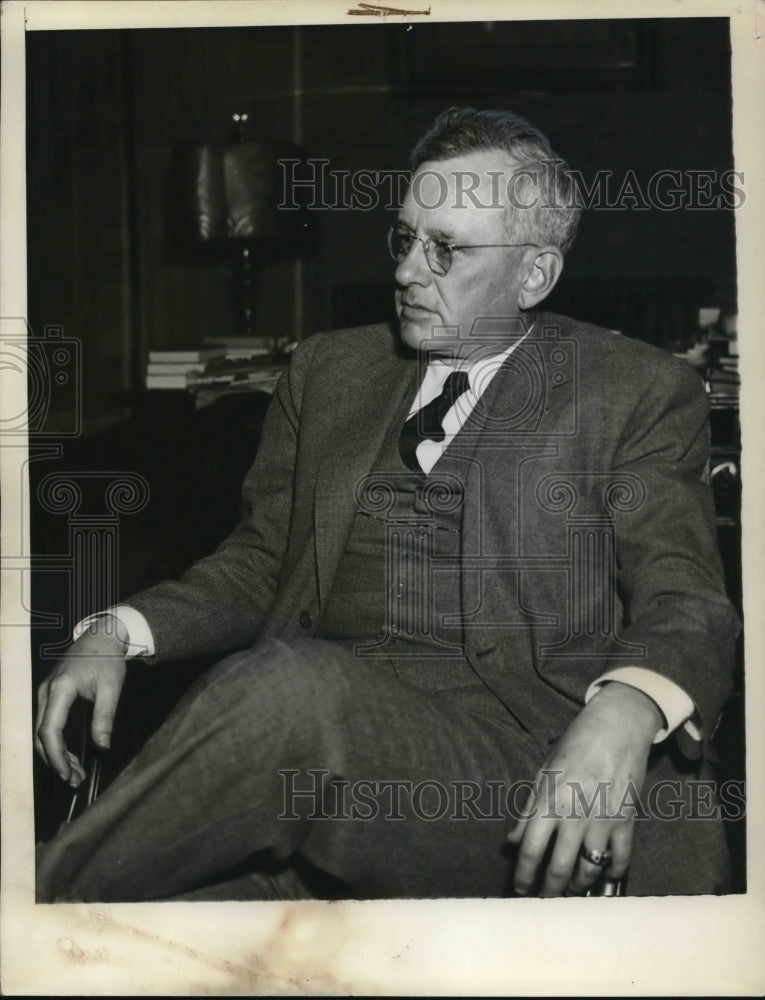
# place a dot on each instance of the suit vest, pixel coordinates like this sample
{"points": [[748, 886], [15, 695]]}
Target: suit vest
{"points": [[398, 581]]}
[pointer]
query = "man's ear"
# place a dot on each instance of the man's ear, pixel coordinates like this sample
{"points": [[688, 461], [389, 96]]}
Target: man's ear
{"points": [[544, 269]]}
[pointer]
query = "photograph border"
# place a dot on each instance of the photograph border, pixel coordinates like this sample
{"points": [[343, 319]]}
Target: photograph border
{"points": [[654, 946]]}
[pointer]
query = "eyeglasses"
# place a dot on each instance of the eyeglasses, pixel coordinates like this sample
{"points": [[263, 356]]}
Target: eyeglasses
{"points": [[439, 254]]}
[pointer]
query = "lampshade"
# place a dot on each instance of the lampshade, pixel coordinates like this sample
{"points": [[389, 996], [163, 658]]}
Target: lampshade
{"points": [[237, 190]]}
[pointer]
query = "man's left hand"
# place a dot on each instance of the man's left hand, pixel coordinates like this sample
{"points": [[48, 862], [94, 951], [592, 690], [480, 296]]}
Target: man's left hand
{"points": [[598, 765]]}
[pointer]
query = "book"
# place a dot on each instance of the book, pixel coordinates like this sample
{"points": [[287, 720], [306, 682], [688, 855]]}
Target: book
{"points": [[723, 376], [236, 380], [245, 353], [193, 356], [174, 368], [178, 368], [167, 381]]}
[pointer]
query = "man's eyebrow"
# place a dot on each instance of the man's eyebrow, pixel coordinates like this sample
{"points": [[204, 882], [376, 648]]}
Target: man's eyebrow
{"points": [[443, 236]]}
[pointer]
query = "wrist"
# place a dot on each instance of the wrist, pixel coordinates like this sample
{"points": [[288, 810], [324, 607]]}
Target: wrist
{"points": [[108, 629], [636, 709]]}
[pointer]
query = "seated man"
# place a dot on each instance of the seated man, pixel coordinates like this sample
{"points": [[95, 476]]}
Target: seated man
{"points": [[474, 600]]}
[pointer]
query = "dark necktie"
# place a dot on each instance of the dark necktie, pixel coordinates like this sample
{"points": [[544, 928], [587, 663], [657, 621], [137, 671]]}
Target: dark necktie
{"points": [[427, 422]]}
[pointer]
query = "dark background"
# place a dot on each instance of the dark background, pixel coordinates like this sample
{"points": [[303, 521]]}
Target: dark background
{"points": [[110, 112]]}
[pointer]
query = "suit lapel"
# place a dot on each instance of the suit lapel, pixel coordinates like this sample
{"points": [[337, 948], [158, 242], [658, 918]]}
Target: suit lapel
{"points": [[523, 412], [524, 402], [519, 401], [367, 404]]}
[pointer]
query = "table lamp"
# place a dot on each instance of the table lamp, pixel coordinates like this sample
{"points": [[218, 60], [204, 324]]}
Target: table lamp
{"points": [[237, 190]]}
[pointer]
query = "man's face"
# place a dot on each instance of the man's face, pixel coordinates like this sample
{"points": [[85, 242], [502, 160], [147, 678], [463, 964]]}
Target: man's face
{"points": [[481, 283]]}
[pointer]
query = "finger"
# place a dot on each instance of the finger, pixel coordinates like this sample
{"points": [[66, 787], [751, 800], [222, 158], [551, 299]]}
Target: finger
{"points": [[40, 749], [587, 873], [77, 773], [621, 850], [104, 709], [61, 694], [528, 812], [563, 859], [516, 835], [42, 700], [532, 848]]}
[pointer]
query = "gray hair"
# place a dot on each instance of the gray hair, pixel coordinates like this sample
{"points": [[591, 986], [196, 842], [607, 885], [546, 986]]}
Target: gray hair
{"points": [[544, 181]]}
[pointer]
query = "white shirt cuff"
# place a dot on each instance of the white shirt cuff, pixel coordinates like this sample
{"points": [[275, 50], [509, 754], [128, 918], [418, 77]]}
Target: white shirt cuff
{"points": [[675, 705], [140, 641]]}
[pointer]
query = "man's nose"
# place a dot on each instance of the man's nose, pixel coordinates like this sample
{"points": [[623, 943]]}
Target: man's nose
{"points": [[414, 269]]}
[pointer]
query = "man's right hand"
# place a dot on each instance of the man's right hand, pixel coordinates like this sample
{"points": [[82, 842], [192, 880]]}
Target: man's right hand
{"points": [[92, 668]]}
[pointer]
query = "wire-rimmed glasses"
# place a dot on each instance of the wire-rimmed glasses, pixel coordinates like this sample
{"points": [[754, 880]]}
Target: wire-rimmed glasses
{"points": [[438, 253]]}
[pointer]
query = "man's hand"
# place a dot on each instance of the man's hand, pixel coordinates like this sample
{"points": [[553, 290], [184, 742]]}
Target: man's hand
{"points": [[92, 668], [600, 760]]}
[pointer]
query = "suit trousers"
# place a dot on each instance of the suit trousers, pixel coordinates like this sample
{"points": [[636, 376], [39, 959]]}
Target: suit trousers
{"points": [[296, 769]]}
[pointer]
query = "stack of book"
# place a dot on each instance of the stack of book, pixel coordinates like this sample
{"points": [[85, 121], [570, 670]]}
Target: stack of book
{"points": [[212, 371], [239, 369], [173, 369], [723, 381], [719, 371]]}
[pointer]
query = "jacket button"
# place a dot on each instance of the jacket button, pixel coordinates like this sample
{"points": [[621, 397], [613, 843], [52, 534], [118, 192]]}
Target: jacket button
{"points": [[305, 619]]}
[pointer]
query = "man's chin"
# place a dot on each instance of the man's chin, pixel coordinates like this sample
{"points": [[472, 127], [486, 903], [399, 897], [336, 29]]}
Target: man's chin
{"points": [[422, 336], [412, 334]]}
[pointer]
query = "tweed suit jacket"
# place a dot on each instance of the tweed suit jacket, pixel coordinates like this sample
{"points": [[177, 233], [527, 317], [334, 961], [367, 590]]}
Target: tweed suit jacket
{"points": [[588, 532]]}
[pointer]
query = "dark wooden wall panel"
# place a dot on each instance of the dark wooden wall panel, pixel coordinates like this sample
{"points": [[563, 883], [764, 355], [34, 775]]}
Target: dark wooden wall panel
{"points": [[110, 111]]}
